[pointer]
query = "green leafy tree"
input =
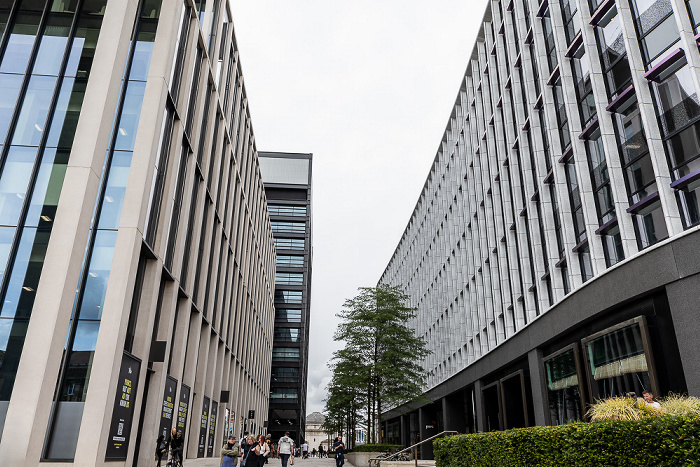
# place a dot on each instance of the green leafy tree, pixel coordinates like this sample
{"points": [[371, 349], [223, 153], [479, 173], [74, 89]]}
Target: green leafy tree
{"points": [[382, 355]]}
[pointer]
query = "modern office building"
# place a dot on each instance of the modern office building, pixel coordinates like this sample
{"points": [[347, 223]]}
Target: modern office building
{"points": [[137, 253], [287, 179], [553, 254]]}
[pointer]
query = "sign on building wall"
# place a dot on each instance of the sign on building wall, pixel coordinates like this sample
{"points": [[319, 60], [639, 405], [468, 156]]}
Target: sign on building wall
{"points": [[168, 406], [183, 409], [203, 428], [123, 411], [212, 428]]}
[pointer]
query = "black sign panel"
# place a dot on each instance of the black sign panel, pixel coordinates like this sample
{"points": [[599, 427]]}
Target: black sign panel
{"points": [[183, 409], [203, 427], [212, 428], [123, 411], [168, 406]]}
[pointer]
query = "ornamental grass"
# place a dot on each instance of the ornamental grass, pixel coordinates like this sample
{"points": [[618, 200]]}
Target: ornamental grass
{"points": [[676, 404], [620, 408]]}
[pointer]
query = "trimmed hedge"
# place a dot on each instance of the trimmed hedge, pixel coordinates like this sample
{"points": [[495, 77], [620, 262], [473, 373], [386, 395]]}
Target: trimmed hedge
{"points": [[376, 448], [654, 441]]}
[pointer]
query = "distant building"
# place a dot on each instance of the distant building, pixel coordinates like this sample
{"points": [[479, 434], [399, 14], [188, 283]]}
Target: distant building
{"points": [[287, 179], [315, 435], [553, 251]]}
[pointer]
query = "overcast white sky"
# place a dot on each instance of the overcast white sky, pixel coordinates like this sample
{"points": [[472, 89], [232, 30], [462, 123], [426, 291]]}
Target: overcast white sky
{"points": [[367, 86]]}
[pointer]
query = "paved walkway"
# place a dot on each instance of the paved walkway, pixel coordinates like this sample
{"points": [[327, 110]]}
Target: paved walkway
{"points": [[298, 462]]}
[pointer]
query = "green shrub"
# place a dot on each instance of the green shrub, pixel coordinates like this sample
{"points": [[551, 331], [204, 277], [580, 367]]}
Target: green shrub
{"points": [[651, 441], [675, 404], [376, 448], [620, 408]]}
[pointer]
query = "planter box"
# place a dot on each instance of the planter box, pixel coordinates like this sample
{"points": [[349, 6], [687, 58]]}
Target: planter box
{"points": [[361, 459]]}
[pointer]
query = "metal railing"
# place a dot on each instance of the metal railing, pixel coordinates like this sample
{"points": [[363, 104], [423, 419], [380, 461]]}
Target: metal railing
{"points": [[402, 455]]}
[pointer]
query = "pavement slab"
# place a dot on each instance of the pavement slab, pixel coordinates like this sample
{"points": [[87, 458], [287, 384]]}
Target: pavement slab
{"points": [[298, 462]]}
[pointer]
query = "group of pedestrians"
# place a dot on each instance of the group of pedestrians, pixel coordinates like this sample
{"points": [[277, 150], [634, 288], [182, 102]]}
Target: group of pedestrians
{"points": [[247, 452], [174, 442]]}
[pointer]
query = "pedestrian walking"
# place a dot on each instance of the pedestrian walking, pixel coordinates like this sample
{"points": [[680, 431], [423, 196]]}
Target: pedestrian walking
{"points": [[320, 451], [161, 449], [285, 448], [243, 443], [229, 452], [176, 445], [249, 458], [339, 449], [305, 450], [262, 450]]}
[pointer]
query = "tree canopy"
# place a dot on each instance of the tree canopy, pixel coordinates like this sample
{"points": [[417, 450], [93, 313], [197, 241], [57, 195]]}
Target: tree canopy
{"points": [[380, 363]]}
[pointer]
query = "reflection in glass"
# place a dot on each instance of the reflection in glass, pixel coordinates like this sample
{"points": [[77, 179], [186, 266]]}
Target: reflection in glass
{"points": [[116, 188], [13, 183], [287, 334], [65, 119], [7, 235], [9, 89], [12, 333], [35, 107], [617, 363], [563, 388], [287, 315], [289, 278], [19, 46], [53, 45], [130, 116], [281, 373], [677, 100], [80, 362], [98, 275], [26, 271]]}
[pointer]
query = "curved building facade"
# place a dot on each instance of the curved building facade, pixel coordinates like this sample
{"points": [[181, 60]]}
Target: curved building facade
{"points": [[553, 252]]}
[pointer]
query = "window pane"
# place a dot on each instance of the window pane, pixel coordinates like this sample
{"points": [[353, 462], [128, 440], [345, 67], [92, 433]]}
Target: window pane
{"points": [[131, 113], [53, 45], [660, 38], [47, 189], [98, 275], [19, 46], [35, 106], [116, 188], [563, 389], [25, 274], [65, 118], [13, 183], [9, 89], [80, 362]]}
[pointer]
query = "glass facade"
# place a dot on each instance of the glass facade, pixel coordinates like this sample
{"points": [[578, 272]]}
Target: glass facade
{"points": [[43, 74]]}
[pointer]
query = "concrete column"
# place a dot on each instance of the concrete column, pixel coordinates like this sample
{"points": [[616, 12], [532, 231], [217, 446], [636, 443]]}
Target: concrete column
{"points": [[479, 406], [683, 299], [537, 384]]}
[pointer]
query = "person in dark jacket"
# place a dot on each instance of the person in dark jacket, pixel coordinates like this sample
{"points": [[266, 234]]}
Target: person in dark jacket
{"points": [[339, 449], [161, 448], [229, 452], [176, 444]]}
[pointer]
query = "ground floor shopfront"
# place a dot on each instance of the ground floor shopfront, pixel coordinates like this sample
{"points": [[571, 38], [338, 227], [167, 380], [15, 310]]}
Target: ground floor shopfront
{"points": [[632, 329]]}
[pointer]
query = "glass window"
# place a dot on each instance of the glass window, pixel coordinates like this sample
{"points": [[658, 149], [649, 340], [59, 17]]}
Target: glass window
{"points": [[288, 227], [98, 275], [131, 113], [283, 393], [290, 261], [617, 362], [12, 333], [660, 39], [35, 107], [115, 190], [563, 388], [612, 247], [14, 181], [684, 146], [9, 89], [649, 12], [650, 225], [285, 353], [287, 315], [53, 45], [282, 374], [287, 334], [289, 278], [286, 210], [584, 259], [288, 296], [694, 10], [67, 112], [19, 46], [289, 243]]}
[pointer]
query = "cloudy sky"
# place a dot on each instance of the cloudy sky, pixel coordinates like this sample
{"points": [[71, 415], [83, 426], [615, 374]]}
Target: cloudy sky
{"points": [[367, 86]]}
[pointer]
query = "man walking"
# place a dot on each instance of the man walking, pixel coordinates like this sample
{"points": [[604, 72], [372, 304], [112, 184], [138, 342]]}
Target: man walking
{"points": [[176, 445], [285, 447], [305, 451]]}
